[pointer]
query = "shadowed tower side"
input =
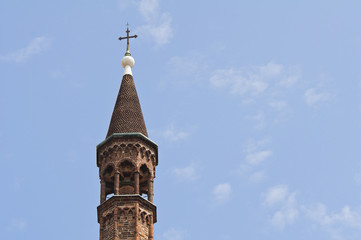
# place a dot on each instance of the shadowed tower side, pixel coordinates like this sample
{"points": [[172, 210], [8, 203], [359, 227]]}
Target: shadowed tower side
{"points": [[127, 159]]}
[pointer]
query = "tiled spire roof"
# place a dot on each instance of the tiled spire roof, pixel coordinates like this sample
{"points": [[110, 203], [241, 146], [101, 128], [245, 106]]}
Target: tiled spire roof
{"points": [[127, 114]]}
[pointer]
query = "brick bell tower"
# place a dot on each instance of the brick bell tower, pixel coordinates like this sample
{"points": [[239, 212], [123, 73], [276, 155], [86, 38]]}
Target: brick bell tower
{"points": [[126, 161]]}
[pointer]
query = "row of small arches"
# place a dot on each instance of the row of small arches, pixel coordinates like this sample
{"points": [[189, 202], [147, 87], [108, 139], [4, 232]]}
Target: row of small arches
{"points": [[126, 168], [129, 148], [144, 217]]}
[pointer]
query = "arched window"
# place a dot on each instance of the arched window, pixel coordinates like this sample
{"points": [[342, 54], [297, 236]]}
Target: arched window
{"points": [[108, 177]]}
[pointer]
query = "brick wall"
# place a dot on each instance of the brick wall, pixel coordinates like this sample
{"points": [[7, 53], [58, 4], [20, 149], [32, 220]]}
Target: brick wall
{"points": [[143, 228], [126, 218], [108, 228], [126, 224]]}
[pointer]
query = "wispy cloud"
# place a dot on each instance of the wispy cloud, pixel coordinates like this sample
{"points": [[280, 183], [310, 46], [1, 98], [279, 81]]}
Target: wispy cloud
{"points": [[256, 158], [253, 81], [194, 64], [266, 87], [287, 214], [278, 105], [222, 192], [238, 82], [257, 176], [344, 224], [259, 120], [188, 173], [339, 225], [347, 216], [276, 195], [36, 46], [255, 155], [158, 24], [286, 204], [173, 134], [313, 97]]}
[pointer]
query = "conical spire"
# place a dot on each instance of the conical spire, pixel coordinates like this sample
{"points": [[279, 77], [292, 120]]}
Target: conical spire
{"points": [[127, 114]]}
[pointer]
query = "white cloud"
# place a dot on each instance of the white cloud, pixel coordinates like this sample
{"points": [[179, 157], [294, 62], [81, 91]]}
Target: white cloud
{"points": [[257, 157], [36, 46], [257, 176], [278, 105], [173, 134], [259, 120], [291, 76], [238, 82], [253, 158], [347, 216], [149, 8], [254, 80], [192, 64], [276, 195], [253, 146], [287, 206], [287, 214], [312, 97], [158, 25], [343, 225], [222, 192], [188, 173], [271, 70], [124, 4], [173, 234], [161, 32]]}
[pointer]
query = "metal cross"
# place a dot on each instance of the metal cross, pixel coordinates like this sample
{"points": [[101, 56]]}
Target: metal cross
{"points": [[127, 37]]}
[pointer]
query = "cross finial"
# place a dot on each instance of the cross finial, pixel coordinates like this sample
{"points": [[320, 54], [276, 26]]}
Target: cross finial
{"points": [[127, 53]]}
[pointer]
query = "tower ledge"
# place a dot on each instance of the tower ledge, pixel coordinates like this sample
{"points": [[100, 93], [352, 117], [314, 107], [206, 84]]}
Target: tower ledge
{"points": [[122, 200], [122, 136]]}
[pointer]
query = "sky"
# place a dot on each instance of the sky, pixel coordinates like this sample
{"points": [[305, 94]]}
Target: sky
{"points": [[255, 107]]}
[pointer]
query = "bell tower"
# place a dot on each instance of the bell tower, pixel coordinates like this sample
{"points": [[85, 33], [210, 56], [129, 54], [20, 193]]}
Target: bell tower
{"points": [[127, 159]]}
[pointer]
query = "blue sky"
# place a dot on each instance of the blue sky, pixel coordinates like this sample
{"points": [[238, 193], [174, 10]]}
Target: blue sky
{"points": [[255, 106]]}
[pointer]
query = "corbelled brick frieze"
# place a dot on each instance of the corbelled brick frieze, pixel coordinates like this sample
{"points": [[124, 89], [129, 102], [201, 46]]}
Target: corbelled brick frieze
{"points": [[128, 145]]}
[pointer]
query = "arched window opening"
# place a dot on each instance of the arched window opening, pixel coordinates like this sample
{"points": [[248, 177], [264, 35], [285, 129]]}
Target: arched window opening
{"points": [[126, 183], [108, 177], [144, 177], [127, 170]]}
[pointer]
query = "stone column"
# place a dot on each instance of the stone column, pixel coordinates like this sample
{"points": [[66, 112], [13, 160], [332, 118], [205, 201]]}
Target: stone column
{"points": [[102, 191], [136, 182], [116, 182], [150, 190]]}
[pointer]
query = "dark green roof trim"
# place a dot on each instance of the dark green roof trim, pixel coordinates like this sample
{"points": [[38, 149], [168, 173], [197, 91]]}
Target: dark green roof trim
{"points": [[124, 135]]}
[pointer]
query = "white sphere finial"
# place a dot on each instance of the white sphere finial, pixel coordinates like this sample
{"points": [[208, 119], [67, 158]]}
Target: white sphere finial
{"points": [[127, 63]]}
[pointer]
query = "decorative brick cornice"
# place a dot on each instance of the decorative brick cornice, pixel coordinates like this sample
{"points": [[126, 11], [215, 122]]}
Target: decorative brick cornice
{"points": [[125, 138], [121, 200]]}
